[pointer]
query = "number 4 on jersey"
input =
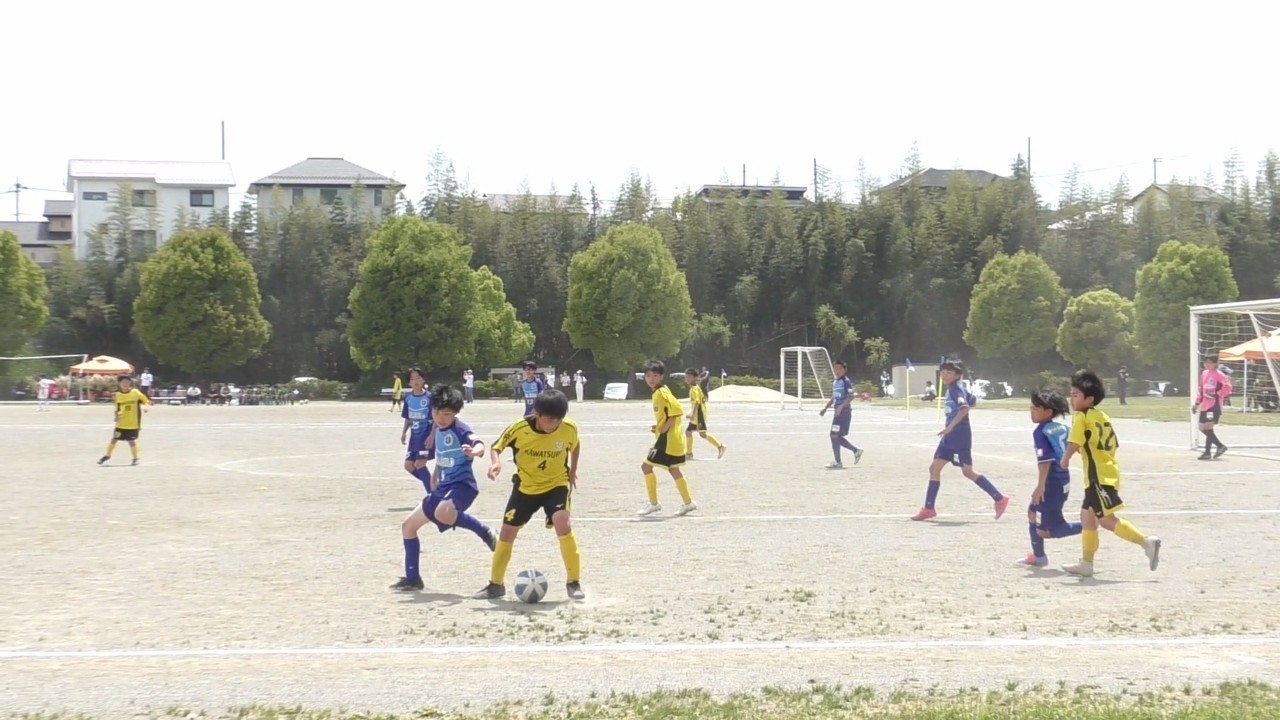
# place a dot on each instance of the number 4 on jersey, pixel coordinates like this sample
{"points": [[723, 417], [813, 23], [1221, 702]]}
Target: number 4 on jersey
{"points": [[542, 465]]}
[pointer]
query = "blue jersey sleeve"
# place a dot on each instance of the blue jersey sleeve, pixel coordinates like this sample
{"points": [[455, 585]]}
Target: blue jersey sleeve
{"points": [[958, 396], [1044, 448], [404, 409]]}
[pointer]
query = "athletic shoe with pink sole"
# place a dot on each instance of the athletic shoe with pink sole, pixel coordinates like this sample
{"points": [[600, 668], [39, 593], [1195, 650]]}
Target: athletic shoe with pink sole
{"points": [[925, 514], [1001, 505]]}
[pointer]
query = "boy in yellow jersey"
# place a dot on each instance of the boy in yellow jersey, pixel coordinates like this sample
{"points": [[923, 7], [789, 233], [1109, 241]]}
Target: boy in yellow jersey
{"points": [[698, 416], [545, 444], [668, 443], [1093, 436], [397, 392], [129, 409]]}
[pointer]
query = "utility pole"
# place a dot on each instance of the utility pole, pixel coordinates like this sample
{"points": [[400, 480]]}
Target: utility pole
{"points": [[1028, 157], [224, 139], [1155, 163], [744, 174]]}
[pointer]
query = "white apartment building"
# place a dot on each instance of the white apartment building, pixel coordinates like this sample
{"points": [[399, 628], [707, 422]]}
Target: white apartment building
{"points": [[161, 191]]}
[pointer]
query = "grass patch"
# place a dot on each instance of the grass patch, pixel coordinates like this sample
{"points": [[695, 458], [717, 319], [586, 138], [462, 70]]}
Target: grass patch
{"points": [[1243, 701], [1174, 409]]}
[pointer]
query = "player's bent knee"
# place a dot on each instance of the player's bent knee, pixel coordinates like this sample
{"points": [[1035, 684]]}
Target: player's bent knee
{"points": [[446, 513], [561, 522]]}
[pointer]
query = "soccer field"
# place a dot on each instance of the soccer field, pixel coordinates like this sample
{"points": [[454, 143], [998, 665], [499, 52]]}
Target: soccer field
{"points": [[247, 559]]}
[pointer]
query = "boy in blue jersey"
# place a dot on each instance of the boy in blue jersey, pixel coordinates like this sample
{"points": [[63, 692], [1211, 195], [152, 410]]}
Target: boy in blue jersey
{"points": [[1053, 485], [956, 446], [417, 427], [452, 487], [842, 400], [530, 385]]}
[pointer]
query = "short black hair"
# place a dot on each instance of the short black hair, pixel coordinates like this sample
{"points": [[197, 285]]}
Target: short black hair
{"points": [[1089, 385], [529, 365], [842, 364], [125, 376], [655, 366], [691, 371], [953, 364], [551, 403], [446, 397], [1051, 400], [415, 369]]}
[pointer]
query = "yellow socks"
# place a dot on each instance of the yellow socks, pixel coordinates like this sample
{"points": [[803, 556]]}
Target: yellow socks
{"points": [[1126, 531], [651, 487], [682, 484], [1089, 539], [133, 450], [501, 558], [111, 448], [712, 439], [572, 558]]}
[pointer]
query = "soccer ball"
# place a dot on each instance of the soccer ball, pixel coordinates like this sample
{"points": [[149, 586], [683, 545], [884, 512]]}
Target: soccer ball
{"points": [[531, 585]]}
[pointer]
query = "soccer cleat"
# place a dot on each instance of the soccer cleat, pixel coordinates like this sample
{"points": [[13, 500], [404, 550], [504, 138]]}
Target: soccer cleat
{"points": [[1205, 456], [103, 459], [1080, 569], [1152, 546], [686, 509], [492, 591], [1032, 561], [1001, 505], [721, 451], [857, 456], [649, 510], [833, 465], [491, 539], [575, 590], [1218, 454], [408, 585], [925, 514], [134, 462]]}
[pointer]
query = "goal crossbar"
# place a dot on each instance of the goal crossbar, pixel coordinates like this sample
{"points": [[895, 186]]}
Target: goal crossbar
{"points": [[805, 372], [1245, 339]]}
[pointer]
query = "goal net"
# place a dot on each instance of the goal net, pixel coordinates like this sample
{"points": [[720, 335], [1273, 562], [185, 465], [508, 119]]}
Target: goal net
{"points": [[807, 374], [1245, 337], [20, 379]]}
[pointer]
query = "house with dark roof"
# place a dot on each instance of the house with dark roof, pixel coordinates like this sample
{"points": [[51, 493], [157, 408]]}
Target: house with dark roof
{"points": [[41, 240], [507, 202], [936, 180], [1197, 194], [322, 181]]}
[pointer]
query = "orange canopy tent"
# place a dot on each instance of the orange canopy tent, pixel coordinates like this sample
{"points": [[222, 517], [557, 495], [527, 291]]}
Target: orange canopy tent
{"points": [[1258, 349], [102, 365]]}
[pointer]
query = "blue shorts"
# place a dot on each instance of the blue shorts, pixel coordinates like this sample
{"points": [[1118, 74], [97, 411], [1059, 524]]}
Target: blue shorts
{"points": [[462, 495], [1055, 499], [416, 452], [840, 424], [960, 457]]}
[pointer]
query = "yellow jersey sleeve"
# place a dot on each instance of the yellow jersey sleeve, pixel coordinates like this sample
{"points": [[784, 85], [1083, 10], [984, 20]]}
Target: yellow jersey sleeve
{"points": [[542, 459], [695, 397], [1078, 429], [508, 437], [672, 407]]}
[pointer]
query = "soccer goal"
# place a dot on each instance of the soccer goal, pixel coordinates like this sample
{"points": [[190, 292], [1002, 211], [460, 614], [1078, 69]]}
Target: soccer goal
{"points": [[807, 374], [1245, 337], [19, 378]]}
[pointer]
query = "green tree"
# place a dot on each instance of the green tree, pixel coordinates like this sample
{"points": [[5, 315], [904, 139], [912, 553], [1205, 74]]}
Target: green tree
{"points": [[23, 307], [834, 329], [627, 299], [418, 299], [198, 309], [877, 350], [1015, 306], [1097, 330], [1181, 275]]}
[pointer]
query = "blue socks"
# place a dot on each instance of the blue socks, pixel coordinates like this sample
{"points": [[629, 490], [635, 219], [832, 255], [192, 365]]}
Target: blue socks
{"points": [[838, 442], [1037, 542], [987, 487], [467, 521], [424, 474], [931, 496], [1060, 528], [412, 548]]}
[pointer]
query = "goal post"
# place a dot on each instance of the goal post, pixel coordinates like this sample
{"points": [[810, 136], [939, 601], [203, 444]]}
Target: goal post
{"points": [[19, 378], [1245, 337], [805, 373]]}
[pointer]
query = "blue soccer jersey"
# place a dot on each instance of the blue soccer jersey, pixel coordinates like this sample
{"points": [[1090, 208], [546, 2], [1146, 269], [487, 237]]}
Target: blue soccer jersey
{"points": [[961, 438], [417, 410], [530, 389], [1051, 444], [841, 391], [454, 464]]}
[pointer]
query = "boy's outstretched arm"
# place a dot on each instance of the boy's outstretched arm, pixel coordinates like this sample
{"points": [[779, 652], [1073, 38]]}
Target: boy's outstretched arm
{"points": [[1072, 449]]}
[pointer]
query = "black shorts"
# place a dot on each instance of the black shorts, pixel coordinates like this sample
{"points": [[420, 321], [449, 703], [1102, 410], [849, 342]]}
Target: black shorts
{"points": [[1212, 415], [521, 506], [515, 480], [659, 456], [1102, 500], [126, 435], [698, 423]]}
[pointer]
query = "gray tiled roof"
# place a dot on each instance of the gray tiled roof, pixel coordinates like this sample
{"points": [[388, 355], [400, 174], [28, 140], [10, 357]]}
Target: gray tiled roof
{"points": [[325, 171], [31, 233], [938, 178], [1198, 193]]}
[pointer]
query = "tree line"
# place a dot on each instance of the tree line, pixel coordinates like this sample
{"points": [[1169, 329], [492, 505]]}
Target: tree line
{"points": [[456, 280]]}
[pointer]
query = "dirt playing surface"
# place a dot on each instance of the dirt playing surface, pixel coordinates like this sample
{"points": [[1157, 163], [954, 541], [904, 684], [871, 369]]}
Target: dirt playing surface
{"points": [[247, 560]]}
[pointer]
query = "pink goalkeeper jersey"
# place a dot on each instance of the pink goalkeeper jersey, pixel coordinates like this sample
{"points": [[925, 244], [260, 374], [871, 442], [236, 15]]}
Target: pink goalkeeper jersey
{"points": [[1215, 387]]}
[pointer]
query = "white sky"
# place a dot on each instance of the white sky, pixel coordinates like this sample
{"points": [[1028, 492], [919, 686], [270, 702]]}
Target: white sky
{"points": [[683, 92]]}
